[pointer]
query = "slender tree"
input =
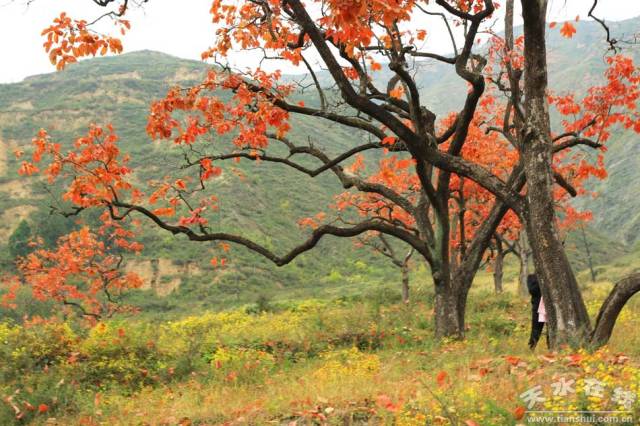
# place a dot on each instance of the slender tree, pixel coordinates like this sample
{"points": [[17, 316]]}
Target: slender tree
{"points": [[587, 251], [498, 265], [381, 245]]}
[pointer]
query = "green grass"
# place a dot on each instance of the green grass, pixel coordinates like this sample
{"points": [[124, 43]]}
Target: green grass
{"points": [[365, 360]]}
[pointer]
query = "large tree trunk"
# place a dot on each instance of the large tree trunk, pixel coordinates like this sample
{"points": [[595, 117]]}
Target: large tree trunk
{"points": [[567, 315], [446, 309]]}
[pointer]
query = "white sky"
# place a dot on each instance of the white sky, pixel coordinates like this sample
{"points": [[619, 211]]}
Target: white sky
{"points": [[183, 28]]}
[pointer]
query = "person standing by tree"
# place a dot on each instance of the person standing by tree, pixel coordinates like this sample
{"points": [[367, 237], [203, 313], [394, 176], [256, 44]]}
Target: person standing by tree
{"points": [[538, 318]]}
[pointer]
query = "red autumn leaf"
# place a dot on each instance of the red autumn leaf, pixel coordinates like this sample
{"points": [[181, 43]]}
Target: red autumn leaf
{"points": [[513, 360], [519, 412], [620, 359], [567, 30], [388, 140], [574, 360], [385, 402], [165, 211]]}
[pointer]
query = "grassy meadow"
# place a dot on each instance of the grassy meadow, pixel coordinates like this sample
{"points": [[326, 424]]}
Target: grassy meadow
{"points": [[364, 359]]}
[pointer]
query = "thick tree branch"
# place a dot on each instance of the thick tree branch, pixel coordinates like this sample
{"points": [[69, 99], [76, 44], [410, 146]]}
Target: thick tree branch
{"points": [[610, 309], [570, 143], [564, 184], [316, 235]]}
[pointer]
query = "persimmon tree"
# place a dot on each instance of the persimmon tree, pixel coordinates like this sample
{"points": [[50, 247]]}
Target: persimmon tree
{"points": [[426, 164], [603, 106]]}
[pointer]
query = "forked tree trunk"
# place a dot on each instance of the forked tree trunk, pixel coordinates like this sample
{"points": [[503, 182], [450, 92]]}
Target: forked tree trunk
{"points": [[567, 315], [464, 273]]}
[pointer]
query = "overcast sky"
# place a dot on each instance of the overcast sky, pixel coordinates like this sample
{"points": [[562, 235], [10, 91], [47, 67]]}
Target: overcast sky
{"points": [[183, 28]]}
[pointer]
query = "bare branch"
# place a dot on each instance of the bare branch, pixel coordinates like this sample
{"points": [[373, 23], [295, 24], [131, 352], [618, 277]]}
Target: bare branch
{"points": [[611, 41]]}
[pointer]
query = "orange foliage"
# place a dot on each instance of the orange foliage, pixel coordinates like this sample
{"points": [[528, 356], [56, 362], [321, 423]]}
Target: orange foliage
{"points": [[567, 30], [68, 39], [83, 272]]}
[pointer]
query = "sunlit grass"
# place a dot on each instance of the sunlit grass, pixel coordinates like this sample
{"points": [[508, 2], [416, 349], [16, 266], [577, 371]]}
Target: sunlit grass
{"points": [[328, 362]]}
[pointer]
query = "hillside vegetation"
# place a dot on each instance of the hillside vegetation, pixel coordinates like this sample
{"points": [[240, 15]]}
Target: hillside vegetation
{"points": [[365, 360], [263, 202]]}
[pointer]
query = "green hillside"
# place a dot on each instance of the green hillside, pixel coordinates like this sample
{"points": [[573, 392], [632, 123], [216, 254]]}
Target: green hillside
{"points": [[268, 202], [265, 205]]}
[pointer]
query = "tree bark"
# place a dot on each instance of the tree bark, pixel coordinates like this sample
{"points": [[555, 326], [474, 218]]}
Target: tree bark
{"points": [[610, 309], [447, 312], [461, 302], [405, 284], [568, 321], [523, 257], [498, 267]]}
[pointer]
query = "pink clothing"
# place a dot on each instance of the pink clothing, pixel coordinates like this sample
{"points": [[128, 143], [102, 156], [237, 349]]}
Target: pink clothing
{"points": [[542, 312]]}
